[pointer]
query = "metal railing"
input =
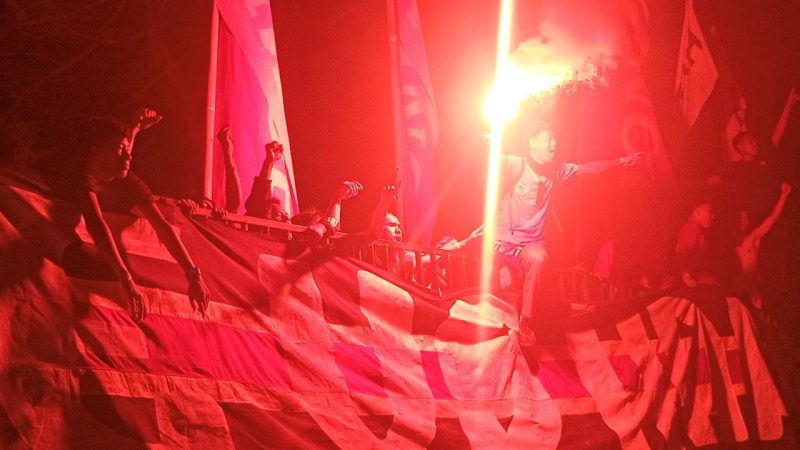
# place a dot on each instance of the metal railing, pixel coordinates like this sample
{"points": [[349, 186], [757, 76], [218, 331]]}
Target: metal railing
{"points": [[438, 270]]}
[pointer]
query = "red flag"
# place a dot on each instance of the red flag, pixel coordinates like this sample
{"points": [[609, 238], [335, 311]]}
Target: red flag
{"points": [[697, 72], [616, 118], [417, 124]]}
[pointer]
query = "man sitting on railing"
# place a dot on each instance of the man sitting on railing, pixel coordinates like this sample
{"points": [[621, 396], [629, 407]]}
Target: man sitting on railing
{"points": [[523, 208]]}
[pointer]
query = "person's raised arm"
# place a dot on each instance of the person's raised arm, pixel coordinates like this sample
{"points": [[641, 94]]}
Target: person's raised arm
{"points": [[260, 199], [780, 126], [346, 190], [233, 185], [142, 119], [762, 230], [596, 167], [329, 223], [199, 294], [388, 196], [98, 229]]}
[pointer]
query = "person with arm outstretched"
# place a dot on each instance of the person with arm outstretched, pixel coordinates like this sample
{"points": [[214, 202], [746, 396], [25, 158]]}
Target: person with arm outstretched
{"points": [[749, 246], [523, 208], [783, 120]]}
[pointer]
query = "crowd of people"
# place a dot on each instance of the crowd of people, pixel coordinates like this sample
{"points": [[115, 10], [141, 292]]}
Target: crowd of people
{"points": [[736, 209], [718, 245]]}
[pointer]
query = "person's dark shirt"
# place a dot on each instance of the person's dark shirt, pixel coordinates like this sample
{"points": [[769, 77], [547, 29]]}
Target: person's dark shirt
{"points": [[752, 186], [120, 195], [257, 204], [123, 194]]}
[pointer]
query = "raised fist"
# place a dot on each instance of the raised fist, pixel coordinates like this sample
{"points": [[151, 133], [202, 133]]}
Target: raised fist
{"points": [[349, 189], [389, 193], [145, 118], [274, 151]]}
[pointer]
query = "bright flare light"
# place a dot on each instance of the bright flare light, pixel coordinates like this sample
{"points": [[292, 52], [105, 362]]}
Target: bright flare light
{"points": [[496, 144], [519, 81]]}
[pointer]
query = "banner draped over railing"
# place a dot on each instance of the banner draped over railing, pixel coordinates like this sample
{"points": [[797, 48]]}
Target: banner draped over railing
{"points": [[322, 352]]}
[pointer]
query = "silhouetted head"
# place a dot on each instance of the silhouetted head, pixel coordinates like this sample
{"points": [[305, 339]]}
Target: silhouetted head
{"points": [[104, 146], [703, 215], [746, 145]]}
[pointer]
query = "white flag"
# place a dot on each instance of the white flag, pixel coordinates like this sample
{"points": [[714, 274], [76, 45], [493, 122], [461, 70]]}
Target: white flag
{"points": [[249, 98], [697, 72]]}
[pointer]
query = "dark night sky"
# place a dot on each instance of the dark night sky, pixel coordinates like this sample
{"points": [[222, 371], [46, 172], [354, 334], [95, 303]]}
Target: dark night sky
{"points": [[334, 63]]}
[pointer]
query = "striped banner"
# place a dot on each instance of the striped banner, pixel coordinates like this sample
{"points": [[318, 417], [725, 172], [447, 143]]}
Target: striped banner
{"points": [[322, 352]]}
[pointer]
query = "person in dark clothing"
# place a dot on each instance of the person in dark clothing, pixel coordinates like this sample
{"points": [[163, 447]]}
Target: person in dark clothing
{"points": [[751, 182], [260, 203]]}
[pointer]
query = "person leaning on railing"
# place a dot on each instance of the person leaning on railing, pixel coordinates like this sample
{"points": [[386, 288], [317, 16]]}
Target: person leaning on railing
{"points": [[322, 226], [97, 177]]}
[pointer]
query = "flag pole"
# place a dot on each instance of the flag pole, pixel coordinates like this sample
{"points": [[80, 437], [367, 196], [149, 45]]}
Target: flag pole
{"points": [[397, 103], [211, 102]]}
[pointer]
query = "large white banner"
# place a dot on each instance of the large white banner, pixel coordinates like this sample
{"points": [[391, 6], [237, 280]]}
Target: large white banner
{"points": [[249, 98]]}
